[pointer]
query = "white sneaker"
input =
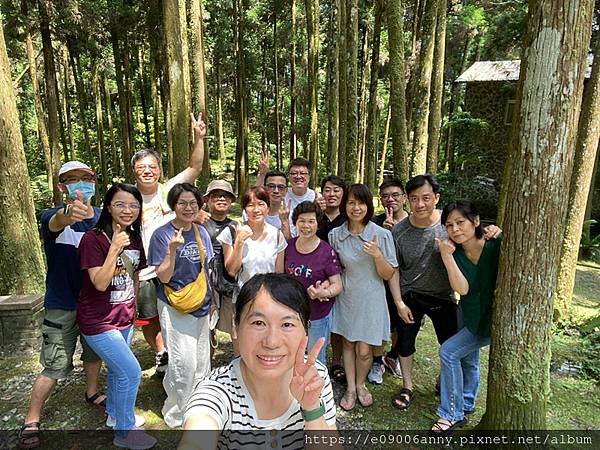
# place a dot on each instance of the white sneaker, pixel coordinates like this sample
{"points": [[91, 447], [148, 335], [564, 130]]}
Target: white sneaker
{"points": [[136, 439], [111, 422], [376, 373]]}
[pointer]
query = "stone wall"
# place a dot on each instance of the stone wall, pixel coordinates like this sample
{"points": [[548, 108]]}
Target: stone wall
{"points": [[21, 319]]}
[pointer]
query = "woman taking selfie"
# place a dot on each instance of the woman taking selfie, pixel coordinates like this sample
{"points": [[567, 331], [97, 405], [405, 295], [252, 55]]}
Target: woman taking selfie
{"points": [[273, 385], [111, 256]]}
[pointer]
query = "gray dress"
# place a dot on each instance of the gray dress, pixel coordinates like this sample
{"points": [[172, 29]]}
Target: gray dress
{"points": [[360, 312]]}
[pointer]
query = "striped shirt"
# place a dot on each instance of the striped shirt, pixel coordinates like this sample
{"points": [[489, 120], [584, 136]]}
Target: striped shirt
{"points": [[224, 397]]}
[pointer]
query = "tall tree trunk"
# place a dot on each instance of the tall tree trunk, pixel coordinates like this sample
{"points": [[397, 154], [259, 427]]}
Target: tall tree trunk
{"points": [[64, 116], [437, 90], [342, 87], [241, 150], [385, 145], [332, 88], [365, 74], [313, 35], [39, 110], [293, 94], [549, 101], [100, 127], [220, 134], [143, 97], [351, 149], [21, 256], [423, 89], [81, 96], [276, 94], [115, 160], [51, 94], [372, 139], [124, 111], [199, 77], [412, 63], [175, 33], [583, 170], [395, 23]]}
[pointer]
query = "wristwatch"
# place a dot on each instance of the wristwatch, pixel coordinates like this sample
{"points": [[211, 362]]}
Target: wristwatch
{"points": [[313, 414]]}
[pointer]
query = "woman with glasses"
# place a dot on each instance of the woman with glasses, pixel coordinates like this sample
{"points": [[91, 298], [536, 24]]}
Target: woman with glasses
{"points": [[111, 255], [257, 247], [180, 250]]}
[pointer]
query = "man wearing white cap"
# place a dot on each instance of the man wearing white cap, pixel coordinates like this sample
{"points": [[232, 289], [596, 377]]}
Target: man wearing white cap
{"points": [[147, 168], [62, 229]]}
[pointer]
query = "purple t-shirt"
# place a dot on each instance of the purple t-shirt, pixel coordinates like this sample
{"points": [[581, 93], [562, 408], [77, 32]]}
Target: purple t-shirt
{"points": [[114, 308], [319, 265]]}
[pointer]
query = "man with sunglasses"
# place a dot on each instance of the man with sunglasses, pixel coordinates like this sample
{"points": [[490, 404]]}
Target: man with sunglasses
{"points": [[147, 168], [62, 229]]}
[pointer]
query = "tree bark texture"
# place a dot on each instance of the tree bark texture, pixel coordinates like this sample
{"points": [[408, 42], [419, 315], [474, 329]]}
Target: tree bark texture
{"points": [[332, 89], [39, 110], [342, 87], [293, 95], [51, 94], [583, 170], [178, 69], [552, 71], [365, 75], [395, 23], [103, 179], [21, 255], [437, 90], [351, 147], [241, 149], [423, 89], [313, 36]]}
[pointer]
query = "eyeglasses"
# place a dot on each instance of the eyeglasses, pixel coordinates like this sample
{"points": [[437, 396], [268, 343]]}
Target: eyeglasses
{"points": [[71, 180], [298, 174], [122, 206], [142, 167], [276, 187], [193, 204], [395, 196], [219, 195]]}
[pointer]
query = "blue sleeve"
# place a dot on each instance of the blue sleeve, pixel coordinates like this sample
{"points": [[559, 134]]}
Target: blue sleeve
{"points": [[45, 221], [157, 250], [210, 253]]}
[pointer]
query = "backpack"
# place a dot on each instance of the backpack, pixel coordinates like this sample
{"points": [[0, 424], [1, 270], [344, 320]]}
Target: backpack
{"points": [[220, 280]]}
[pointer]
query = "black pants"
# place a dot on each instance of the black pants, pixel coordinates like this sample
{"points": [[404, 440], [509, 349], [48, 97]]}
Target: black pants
{"points": [[443, 314]]}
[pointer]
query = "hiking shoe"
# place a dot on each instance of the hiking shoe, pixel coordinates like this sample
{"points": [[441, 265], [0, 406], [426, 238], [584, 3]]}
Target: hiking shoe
{"points": [[376, 373], [111, 422], [136, 439], [393, 364], [162, 361]]}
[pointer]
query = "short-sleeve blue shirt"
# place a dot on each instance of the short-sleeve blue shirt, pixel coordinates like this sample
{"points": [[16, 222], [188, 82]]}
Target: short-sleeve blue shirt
{"points": [[187, 260], [64, 277]]}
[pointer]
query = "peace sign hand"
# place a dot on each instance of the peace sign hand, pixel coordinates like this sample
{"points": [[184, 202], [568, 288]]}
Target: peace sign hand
{"points": [[307, 384], [198, 126], [284, 211], [389, 219], [371, 247]]}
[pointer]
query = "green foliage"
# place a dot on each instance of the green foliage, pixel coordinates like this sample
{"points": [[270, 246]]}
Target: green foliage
{"points": [[42, 196], [480, 190]]}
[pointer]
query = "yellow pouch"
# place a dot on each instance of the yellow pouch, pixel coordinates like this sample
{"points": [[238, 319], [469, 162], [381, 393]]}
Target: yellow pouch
{"points": [[192, 296]]}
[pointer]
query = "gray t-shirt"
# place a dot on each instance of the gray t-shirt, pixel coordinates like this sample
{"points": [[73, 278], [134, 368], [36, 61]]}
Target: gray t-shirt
{"points": [[419, 261]]}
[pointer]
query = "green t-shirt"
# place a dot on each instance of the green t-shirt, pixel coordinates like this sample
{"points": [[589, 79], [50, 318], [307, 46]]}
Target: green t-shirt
{"points": [[477, 304]]}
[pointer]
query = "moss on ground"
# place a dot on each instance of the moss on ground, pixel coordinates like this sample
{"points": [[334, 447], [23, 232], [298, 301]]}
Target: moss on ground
{"points": [[574, 403]]}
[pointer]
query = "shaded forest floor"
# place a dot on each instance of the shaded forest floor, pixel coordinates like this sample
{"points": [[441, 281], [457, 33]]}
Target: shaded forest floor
{"points": [[574, 403]]}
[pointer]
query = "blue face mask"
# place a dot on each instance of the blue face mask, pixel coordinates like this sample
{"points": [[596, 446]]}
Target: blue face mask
{"points": [[87, 189]]}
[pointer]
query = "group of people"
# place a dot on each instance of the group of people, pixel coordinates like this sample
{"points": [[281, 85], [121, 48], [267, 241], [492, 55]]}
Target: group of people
{"points": [[300, 272]]}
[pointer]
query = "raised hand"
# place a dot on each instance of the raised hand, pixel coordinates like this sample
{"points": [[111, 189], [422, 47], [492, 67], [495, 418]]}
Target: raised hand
{"points": [[243, 232], [320, 200], [446, 246], [198, 126], [284, 211], [491, 232], [307, 384], [80, 208], [389, 218], [177, 240], [120, 239], [263, 165], [315, 291], [371, 247], [202, 217]]}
